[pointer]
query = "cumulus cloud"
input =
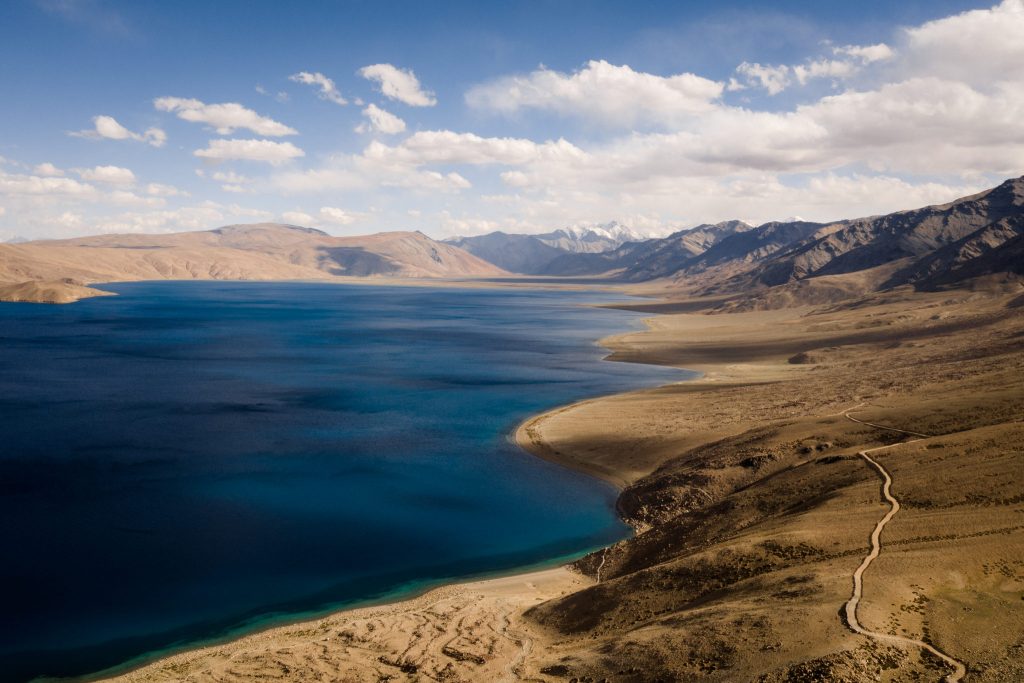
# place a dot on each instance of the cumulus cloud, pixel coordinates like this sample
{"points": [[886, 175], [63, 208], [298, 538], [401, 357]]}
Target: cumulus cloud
{"points": [[230, 181], [297, 218], [328, 215], [612, 94], [399, 84], [337, 176], [867, 54], [22, 184], [225, 118], [361, 173], [201, 217], [69, 219], [930, 114], [430, 180], [979, 47], [128, 198], [331, 214], [162, 190], [845, 62], [268, 151], [448, 147], [112, 175], [48, 170], [328, 90], [107, 127], [515, 178], [380, 121], [823, 68], [774, 79]]}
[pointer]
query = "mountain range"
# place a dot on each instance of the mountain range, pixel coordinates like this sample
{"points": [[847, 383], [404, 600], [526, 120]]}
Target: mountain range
{"points": [[263, 251], [540, 254], [769, 265], [927, 247]]}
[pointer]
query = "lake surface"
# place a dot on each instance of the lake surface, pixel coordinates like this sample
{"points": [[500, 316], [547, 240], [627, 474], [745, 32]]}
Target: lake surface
{"points": [[190, 460]]}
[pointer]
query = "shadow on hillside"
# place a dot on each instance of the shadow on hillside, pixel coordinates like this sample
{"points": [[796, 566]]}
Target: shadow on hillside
{"points": [[355, 261]]}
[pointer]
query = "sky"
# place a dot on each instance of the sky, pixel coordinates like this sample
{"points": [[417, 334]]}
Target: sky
{"points": [[460, 118]]}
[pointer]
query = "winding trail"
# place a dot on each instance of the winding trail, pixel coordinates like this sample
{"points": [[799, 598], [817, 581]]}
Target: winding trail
{"points": [[876, 548], [604, 555]]}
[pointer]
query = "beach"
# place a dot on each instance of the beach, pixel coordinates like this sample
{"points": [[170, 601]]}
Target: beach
{"points": [[456, 632]]}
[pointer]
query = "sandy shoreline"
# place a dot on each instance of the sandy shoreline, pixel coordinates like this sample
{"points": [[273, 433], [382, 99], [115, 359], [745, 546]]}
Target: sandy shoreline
{"points": [[503, 594], [458, 623]]}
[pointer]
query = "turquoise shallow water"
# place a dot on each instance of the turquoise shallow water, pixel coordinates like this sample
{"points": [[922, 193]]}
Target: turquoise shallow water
{"points": [[191, 459]]}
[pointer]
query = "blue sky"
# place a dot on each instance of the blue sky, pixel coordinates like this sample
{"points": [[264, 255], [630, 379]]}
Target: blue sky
{"points": [[472, 117]]}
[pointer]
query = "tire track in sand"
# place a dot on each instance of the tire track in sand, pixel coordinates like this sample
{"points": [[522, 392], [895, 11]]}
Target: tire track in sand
{"points": [[959, 670]]}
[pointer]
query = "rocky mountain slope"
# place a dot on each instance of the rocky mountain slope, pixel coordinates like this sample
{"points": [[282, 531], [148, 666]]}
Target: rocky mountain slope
{"points": [[524, 254], [979, 225], [780, 263], [568, 251], [594, 239]]}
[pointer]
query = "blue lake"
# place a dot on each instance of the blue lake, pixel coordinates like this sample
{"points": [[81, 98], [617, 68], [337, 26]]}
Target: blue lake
{"points": [[191, 460]]}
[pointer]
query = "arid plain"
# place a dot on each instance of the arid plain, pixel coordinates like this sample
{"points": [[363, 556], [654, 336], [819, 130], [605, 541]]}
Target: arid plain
{"points": [[753, 510]]}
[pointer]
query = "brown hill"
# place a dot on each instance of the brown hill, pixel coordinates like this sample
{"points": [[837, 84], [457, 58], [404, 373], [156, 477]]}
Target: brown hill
{"points": [[264, 251], [48, 291]]}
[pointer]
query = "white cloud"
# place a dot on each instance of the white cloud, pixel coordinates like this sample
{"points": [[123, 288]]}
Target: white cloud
{"points": [[162, 190], [380, 121], [48, 170], [612, 94], [2, 211], [399, 84], [297, 218], [515, 178], [823, 68], [444, 146], [112, 175], [126, 198], [850, 60], [867, 54], [981, 47], [328, 90], [250, 150], [931, 114], [202, 217], [230, 177], [107, 127], [331, 214], [334, 177], [231, 181], [69, 219], [774, 79], [430, 180], [19, 184], [224, 118], [359, 173], [466, 225]]}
